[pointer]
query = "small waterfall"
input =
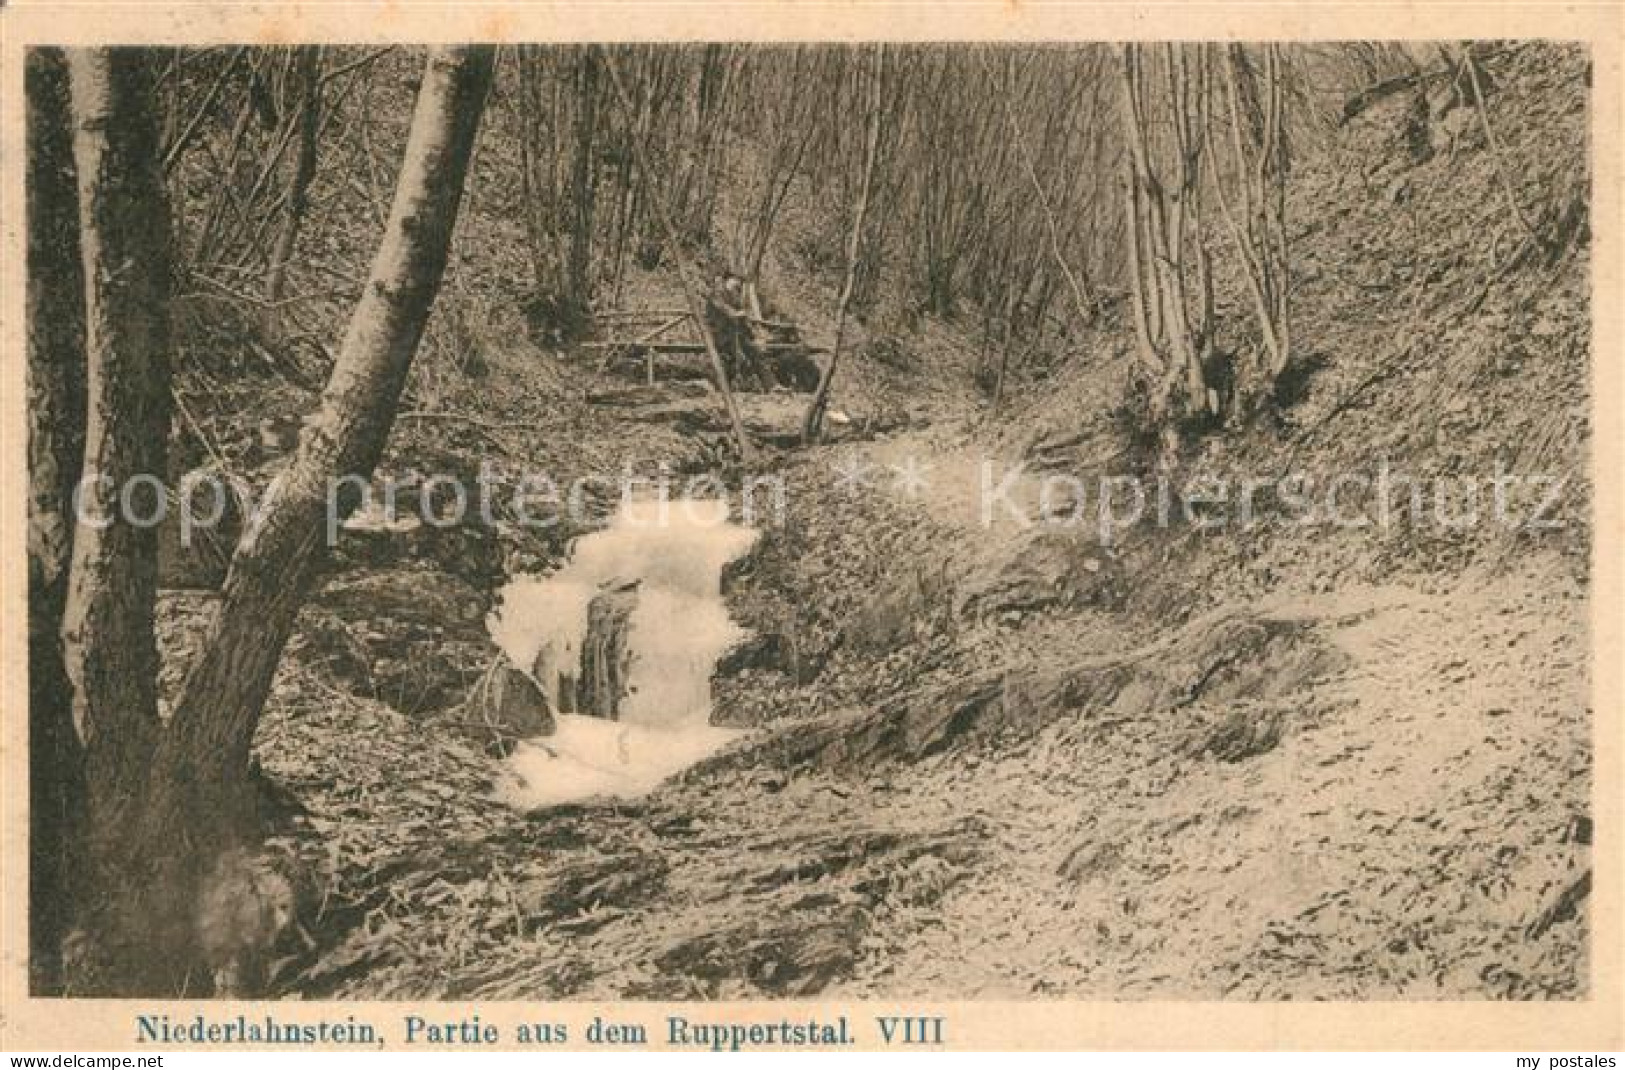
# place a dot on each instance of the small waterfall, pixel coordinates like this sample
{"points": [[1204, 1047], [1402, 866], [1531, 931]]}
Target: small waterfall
{"points": [[674, 553]]}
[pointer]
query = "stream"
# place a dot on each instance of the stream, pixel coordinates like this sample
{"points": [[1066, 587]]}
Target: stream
{"points": [[670, 554]]}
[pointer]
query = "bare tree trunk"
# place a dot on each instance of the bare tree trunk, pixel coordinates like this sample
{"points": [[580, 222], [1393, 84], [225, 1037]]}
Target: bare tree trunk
{"points": [[583, 184], [813, 423], [207, 246], [691, 292], [530, 183], [542, 152], [111, 655], [1082, 292], [166, 802], [694, 202], [1257, 225], [1168, 257], [1146, 244], [309, 65], [56, 446], [1010, 308], [794, 130], [274, 568]]}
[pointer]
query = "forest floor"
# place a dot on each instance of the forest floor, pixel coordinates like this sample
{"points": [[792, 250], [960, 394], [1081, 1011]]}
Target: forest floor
{"points": [[992, 760], [1293, 797]]}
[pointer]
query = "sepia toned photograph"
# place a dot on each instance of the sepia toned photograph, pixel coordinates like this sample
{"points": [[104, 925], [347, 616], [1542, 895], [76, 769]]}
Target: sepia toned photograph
{"points": [[720, 521]]}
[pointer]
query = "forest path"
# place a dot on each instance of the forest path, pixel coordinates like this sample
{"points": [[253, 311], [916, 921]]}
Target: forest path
{"points": [[959, 483]]}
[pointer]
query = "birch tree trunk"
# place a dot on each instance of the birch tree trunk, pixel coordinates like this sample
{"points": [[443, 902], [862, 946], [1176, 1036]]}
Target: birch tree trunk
{"points": [[166, 801], [205, 753], [110, 651], [56, 446]]}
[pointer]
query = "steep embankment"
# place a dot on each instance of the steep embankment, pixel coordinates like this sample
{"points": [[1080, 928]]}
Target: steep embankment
{"points": [[1385, 795]]}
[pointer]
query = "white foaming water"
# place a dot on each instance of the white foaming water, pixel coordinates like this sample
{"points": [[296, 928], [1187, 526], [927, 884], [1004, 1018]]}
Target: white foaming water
{"points": [[676, 633]]}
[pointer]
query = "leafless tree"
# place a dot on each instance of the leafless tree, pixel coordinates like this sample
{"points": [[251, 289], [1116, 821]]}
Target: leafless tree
{"points": [[56, 445], [1164, 107], [1255, 214], [875, 111], [164, 800]]}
